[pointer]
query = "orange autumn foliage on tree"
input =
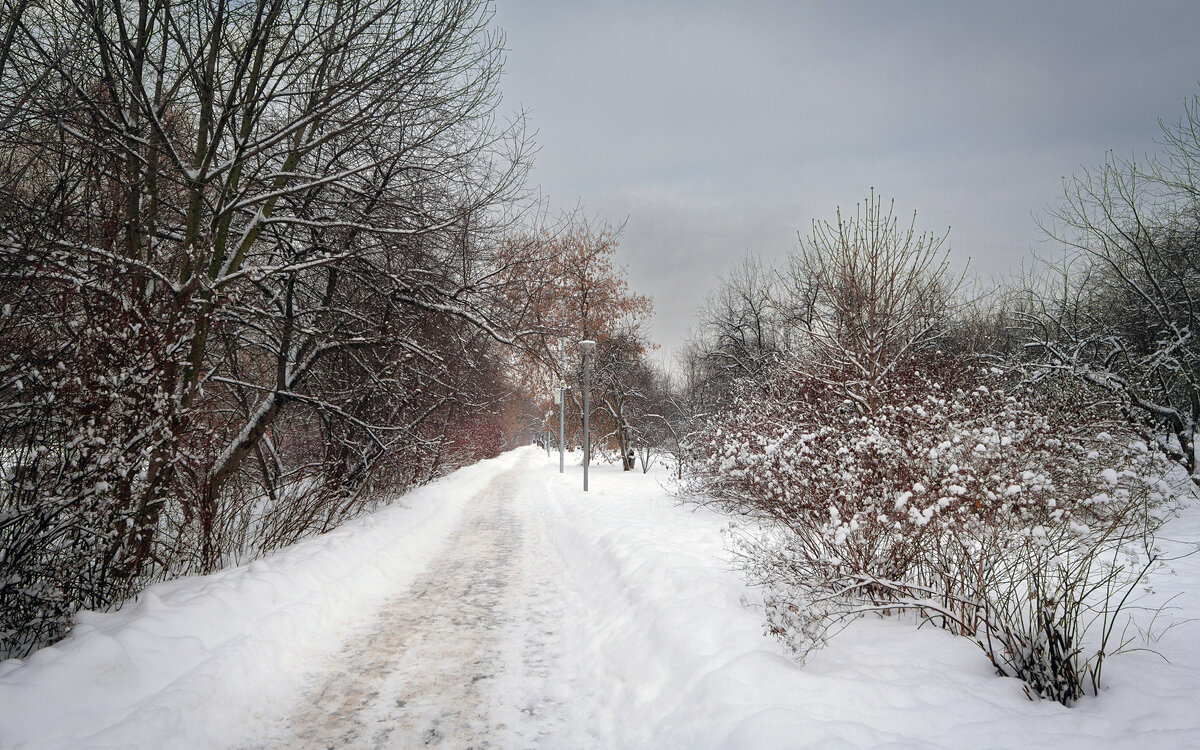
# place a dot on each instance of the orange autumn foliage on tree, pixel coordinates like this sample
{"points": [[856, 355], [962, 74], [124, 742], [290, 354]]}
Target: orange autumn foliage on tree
{"points": [[574, 291]]}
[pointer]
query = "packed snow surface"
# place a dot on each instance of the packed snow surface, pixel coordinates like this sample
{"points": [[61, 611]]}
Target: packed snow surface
{"points": [[503, 607]]}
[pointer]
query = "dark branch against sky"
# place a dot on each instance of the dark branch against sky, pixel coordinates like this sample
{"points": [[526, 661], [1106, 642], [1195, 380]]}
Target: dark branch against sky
{"points": [[717, 129]]}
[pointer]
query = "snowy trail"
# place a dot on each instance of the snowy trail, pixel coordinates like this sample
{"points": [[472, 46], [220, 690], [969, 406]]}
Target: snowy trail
{"points": [[415, 679], [463, 657]]}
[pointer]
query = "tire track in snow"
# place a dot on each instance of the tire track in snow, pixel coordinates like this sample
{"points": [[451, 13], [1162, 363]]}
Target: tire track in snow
{"points": [[419, 678]]}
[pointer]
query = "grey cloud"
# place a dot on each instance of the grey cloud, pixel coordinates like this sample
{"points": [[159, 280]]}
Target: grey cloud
{"points": [[718, 128]]}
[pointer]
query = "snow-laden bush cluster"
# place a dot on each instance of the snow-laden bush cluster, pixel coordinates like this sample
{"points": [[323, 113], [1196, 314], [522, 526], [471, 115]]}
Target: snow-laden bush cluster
{"points": [[986, 508]]}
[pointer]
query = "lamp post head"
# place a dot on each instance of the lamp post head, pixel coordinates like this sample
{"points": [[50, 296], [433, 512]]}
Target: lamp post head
{"points": [[588, 346]]}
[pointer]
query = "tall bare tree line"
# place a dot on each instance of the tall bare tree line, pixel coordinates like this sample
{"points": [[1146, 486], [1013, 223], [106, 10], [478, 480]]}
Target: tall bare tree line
{"points": [[251, 271]]}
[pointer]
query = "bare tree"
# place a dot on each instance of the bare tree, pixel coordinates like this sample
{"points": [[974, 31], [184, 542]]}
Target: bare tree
{"points": [[1119, 312], [581, 294], [870, 293], [741, 321], [249, 252], [624, 383]]}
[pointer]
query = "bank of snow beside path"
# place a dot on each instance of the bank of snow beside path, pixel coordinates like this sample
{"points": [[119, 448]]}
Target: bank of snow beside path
{"points": [[197, 662], [674, 659]]}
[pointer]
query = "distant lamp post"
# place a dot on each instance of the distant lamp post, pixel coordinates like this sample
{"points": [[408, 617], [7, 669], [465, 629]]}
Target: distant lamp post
{"points": [[562, 400], [589, 349]]}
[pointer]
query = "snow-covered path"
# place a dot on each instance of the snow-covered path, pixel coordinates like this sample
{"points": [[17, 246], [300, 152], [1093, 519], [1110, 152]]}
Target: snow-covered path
{"points": [[416, 678], [501, 607]]}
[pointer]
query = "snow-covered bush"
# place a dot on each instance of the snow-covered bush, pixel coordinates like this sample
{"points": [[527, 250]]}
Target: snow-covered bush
{"points": [[982, 507]]}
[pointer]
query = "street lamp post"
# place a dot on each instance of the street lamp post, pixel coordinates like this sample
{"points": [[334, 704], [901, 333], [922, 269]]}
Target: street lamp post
{"points": [[589, 348], [562, 400]]}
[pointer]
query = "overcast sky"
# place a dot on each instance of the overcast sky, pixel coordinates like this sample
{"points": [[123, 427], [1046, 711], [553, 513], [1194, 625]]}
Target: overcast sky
{"points": [[716, 129]]}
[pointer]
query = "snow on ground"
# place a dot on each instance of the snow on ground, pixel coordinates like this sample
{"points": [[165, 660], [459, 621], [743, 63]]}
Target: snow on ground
{"points": [[666, 654], [503, 607], [197, 661]]}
